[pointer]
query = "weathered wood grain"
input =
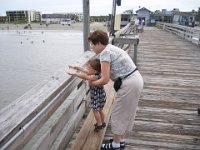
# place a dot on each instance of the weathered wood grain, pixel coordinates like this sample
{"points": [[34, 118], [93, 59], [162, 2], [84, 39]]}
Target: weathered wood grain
{"points": [[58, 123], [21, 119], [87, 139], [167, 116]]}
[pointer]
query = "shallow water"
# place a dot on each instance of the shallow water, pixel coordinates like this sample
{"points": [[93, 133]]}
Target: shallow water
{"points": [[28, 57]]}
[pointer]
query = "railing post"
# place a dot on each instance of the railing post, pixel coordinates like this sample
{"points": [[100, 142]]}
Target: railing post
{"points": [[112, 30], [135, 52], [86, 25]]}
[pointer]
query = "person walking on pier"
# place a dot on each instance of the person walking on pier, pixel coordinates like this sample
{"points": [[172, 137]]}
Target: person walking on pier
{"points": [[128, 83], [92, 72]]}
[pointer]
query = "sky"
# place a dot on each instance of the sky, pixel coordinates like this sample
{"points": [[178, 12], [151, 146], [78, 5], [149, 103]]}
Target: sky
{"points": [[97, 7]]}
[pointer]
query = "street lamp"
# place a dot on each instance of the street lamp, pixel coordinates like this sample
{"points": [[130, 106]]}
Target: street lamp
{"points": [[86, 24], [118, 3]]}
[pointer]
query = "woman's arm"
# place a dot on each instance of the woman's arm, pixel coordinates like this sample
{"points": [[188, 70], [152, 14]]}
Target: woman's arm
{"points": [[105, 74]]}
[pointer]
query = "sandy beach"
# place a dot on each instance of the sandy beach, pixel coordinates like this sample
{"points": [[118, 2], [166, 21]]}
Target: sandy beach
{"points": [[37, 26]]}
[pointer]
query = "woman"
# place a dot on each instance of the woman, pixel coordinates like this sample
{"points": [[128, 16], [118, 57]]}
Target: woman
{"points": [[116, 63]]}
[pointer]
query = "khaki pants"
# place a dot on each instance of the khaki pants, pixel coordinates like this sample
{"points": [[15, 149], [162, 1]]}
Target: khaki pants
{"points": [[125, 104]]}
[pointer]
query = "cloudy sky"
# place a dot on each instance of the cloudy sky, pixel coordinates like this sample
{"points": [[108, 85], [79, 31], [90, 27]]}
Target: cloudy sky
{"points": [[97, 7]]}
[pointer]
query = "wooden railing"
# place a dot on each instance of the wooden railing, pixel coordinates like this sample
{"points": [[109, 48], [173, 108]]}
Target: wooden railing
{"points": [[55, 107], [188, 33], [47, 116], [128, 29], [125, 38]]}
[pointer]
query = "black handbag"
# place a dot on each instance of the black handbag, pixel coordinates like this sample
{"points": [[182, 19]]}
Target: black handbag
{"points": [[117, 84]]}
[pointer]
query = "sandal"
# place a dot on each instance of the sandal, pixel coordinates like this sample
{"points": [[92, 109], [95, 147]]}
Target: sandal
{"points": [[109, 147], [103, 124], [97, 128], [122, 144]]}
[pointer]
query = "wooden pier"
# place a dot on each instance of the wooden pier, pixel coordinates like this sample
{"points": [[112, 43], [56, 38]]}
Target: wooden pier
{"points": [[167, 117], [47, 116]]}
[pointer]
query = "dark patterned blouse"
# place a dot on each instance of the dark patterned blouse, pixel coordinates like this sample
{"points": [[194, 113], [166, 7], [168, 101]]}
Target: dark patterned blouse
{"points": [[97, 95]]}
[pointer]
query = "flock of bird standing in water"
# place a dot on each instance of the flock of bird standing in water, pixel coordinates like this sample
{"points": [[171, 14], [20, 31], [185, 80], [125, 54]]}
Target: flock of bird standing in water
{"points": [[24, 32]]}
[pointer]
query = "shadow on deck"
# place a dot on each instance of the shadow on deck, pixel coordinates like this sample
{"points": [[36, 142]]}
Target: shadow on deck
{"points": [[167, 116]]}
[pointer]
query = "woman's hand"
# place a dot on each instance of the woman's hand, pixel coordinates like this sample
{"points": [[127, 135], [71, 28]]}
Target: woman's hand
{"points": [[90, 83]]}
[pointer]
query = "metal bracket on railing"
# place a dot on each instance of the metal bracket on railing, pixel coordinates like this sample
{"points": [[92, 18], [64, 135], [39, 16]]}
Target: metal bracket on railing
{"points": [[86, 93], [81, 104]]}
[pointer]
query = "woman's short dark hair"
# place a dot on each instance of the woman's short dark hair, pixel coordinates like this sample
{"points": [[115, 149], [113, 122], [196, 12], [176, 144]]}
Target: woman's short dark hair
{"points": [[95, 64], [98, 36]]}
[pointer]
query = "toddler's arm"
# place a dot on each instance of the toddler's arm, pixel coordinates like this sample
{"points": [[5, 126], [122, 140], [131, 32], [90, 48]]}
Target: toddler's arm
{"points": [[83, 69], [83, 76]]}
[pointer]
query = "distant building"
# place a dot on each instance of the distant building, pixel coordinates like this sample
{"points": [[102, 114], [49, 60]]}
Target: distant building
{"points": [[143, 14], [61, 17], [120, 21], [184, 18], [162, 16], [125, 19], [23, 15], [79, 15], [174, 16], [198, 13], [38, 16]]}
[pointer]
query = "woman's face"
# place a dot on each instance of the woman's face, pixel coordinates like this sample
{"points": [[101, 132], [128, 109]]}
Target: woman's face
{"points": [[95, 48]]}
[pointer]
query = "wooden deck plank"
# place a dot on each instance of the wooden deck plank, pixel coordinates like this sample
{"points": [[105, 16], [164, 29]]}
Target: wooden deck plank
{"points": [[150, 141], [87, 139], [167, 115]]}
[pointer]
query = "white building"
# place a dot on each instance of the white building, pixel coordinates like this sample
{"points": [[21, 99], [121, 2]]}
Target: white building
{"points": [[80, 16], [23, 15], [143, 13], [62, 17]]}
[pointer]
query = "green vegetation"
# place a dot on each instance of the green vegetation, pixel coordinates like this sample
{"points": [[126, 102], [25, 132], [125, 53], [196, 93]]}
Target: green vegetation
{"points": [[19, 21], [197, 18], [98, 18], [35, 21]]}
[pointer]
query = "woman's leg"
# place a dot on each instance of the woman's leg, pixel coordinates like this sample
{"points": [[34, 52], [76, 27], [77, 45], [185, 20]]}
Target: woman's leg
{"points": [[117, 138], [115, 145]]}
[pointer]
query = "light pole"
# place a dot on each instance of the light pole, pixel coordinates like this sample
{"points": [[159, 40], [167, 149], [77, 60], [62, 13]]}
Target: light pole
{"points": [[86, 25], [113, 18], [118, 3]]}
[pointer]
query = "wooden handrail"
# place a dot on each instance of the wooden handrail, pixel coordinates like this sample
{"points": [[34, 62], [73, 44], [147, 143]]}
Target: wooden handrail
{"points": [[21, 120], [128, 29], [126, 43], [188, 33]]}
